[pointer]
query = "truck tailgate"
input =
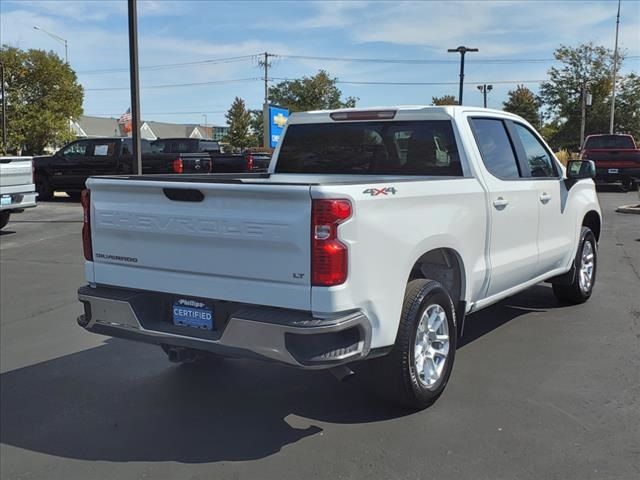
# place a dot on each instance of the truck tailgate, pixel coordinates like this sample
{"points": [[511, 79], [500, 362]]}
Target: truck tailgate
{"points": [[16, 175], [235, 242]]}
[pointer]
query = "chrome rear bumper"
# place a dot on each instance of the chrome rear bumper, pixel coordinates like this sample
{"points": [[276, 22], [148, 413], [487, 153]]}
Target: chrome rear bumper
{"points": [[287, 336]]}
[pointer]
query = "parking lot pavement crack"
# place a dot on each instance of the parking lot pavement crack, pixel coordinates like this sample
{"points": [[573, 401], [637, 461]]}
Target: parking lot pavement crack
{"points": [[627, 257]]}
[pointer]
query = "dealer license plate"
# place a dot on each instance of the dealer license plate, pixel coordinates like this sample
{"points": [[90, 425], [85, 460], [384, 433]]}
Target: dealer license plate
{"points": [[191, 313], [613, 170]]}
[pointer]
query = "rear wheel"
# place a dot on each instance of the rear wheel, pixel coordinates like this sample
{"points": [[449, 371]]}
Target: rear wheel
{"points": [[580, 289], [44, 188], [417, 370], [4, 218]]}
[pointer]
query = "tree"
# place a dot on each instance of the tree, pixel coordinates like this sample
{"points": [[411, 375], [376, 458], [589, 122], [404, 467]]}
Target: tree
{"points": [[627, 115], [239, 120], [585, 69], [257, 127], [444, 100], [524, 102], [43, 94], [310, 93]]}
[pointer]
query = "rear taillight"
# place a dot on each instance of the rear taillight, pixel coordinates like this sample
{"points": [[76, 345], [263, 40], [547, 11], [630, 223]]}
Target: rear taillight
{"points": [[178, 166], [85, 199], [329, 256], [249, 162]]}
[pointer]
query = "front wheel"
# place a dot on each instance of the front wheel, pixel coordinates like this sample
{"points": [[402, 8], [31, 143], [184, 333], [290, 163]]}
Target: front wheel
{"points": [[44, 188], [580, 289], [417, 370], [4, 218]]}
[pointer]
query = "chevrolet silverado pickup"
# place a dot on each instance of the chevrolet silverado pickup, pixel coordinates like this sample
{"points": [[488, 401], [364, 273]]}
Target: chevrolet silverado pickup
{"points": [[68, 169], [17, 190], [371, 237], [617, 158]]}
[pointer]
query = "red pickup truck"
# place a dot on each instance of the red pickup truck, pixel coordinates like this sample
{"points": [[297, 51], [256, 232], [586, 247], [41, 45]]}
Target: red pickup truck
{"points": [[617, 158]]}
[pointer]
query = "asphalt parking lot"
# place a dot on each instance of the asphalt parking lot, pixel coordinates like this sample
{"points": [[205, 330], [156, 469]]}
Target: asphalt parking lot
{"points": [[539, 390]]}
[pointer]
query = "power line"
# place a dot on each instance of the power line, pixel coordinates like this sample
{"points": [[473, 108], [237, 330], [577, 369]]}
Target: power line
{"points": [[418, 61], [156, 113], [172, 65], [176, 85], [364, 82]]}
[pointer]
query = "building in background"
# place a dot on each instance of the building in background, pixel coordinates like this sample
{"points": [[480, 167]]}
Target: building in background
{"points": [[100, 127]]}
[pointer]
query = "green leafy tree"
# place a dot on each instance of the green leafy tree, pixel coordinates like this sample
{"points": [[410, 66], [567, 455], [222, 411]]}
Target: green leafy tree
{"points": [[444, 100], [524, 102], [627, 115], [583, 70], [257, 128], [239, 121], [310, 93], [43, 94]]}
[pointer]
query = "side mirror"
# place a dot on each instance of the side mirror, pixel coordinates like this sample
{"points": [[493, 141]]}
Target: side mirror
{"points": [[579, 169]]}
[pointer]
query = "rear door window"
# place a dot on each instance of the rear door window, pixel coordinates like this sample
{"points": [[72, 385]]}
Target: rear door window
{"points": [[390, 148], [495, 147], [104, 148]]}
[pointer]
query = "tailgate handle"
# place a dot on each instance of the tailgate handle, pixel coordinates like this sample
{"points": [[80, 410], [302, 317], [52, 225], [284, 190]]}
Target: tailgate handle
{"points": [[183, 194]]}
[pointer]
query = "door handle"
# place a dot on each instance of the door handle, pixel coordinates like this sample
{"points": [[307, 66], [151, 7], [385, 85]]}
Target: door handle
{"points": [[500, 203], [545, 197]]}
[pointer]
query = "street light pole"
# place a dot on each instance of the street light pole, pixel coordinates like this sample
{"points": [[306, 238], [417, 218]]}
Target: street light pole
{"points": [[59, 38], [462, 50], [135, 85], [205, 123], [485, 89]]}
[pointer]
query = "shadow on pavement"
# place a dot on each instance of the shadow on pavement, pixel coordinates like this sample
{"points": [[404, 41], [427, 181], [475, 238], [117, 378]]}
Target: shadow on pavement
{"points": [[7, 232], [124, 402]]}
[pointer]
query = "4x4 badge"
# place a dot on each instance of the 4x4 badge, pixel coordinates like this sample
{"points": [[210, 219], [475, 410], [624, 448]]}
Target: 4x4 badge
{"points": [[374, 192]]}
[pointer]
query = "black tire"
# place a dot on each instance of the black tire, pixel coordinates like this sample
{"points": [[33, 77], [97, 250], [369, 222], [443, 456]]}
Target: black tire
{"points": [[396, 374], [4, 218], [579, 292], [44, 188]]}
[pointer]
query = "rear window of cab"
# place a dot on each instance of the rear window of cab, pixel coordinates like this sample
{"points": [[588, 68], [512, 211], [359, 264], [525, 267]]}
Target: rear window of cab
{"points": [[425, 147]]}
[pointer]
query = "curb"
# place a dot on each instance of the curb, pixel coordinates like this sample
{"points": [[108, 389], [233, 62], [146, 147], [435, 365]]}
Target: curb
{"points": [[629, 209]]}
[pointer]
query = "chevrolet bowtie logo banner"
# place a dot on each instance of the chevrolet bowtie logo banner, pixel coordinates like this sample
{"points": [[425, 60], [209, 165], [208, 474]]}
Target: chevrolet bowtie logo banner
{"points": [[277, 120]]}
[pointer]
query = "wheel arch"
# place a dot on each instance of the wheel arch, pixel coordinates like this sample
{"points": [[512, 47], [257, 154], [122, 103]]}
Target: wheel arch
{"points": [[444, 265], [592, 220]]}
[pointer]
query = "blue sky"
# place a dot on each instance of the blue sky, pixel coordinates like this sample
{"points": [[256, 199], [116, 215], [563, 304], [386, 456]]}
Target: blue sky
{"points": [[181, 32]]}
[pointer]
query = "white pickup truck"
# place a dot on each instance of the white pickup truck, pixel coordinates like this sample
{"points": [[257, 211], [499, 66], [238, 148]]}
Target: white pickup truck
{"points": [[373, 234], [17, 189]]}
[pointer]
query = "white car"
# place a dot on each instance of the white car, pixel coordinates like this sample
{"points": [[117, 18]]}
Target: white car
{"points": [[17, 190], [372, 236]]}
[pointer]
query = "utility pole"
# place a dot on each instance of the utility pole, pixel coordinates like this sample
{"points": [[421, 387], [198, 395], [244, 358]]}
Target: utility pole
{"points": [[265, 63], [586, 101], [615, 67], [485, 89], [4, 111], [265, 107], [135, 84], [462, 51]]}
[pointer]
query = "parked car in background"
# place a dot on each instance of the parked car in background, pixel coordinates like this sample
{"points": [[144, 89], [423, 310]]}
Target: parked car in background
{"points": [[352, 248], [617, 158], [223, 162], [68, 169], [17, 190]]}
